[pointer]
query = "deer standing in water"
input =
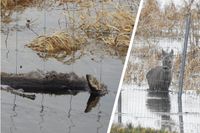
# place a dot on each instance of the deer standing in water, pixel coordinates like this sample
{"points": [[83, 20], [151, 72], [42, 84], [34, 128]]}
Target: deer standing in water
{"points": [[159, 78]]}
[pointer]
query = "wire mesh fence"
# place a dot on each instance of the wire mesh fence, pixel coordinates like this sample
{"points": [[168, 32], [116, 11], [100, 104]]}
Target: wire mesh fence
{"points": [[149, 96], [159, 109]]}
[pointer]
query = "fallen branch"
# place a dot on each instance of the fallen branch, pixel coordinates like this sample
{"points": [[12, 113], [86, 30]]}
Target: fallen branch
{"points": [[18, 92]]}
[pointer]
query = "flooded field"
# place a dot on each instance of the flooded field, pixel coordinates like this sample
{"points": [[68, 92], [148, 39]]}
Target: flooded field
{"points": [[159, 110], [164, 61], [73, 112], [59, 113]]}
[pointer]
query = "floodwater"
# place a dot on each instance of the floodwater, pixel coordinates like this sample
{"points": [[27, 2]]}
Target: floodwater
{"points": [[61, 113], [159, 110], [139, 106], [54, 113]]}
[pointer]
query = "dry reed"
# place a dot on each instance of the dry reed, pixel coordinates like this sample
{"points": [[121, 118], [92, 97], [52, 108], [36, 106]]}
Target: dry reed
{"points": [[112, 28], [8, 7], [192, 69], [111, 25], [167, 22], [58, 42]]}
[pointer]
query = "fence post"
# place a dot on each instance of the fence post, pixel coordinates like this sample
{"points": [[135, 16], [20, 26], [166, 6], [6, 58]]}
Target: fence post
{"points": [[181, 127], [183, 59], [120, 108], [182, 69]]}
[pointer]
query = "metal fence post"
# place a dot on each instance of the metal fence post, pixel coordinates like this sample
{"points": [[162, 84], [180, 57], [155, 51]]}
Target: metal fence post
{"points": [[120, 108], [183, 60], [182, 69], [181, 127]]}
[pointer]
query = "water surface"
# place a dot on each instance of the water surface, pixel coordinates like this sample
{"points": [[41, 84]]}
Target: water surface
{"points": [[159, 110], [54, 113]]}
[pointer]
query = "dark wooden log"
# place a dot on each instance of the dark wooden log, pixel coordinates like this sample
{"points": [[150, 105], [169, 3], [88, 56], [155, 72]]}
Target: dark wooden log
{"points": [[53, 83], [44, 86]]}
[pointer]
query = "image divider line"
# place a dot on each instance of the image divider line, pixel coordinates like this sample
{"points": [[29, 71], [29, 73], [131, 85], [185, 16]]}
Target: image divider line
{"points": [[125, 66]]}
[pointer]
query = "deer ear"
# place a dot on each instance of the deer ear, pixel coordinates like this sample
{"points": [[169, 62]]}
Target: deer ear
{"points": [[172, 52], [163, 52]]}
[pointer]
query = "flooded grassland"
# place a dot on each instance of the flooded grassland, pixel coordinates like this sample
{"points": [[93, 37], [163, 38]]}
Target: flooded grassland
{"points": [[162, 29], [70, 38], [160, 110]]}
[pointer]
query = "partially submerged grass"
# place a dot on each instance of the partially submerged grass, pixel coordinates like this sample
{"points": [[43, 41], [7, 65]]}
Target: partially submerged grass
{"points": [[192, 68], [106, 21], [113, 28], [8, 7], [130, 129], [60, 46], [58, 42]]}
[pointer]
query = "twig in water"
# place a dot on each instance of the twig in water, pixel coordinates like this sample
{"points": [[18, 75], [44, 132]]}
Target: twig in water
{"points": [[18, 92]]}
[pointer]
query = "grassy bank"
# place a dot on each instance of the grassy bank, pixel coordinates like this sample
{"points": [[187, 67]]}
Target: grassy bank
{"points": [[130, 129]]}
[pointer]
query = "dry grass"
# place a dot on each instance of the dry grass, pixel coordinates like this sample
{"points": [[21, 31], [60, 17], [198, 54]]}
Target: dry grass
{"points": [[58, 42], [129, 128], [106, 22], [8, 7], [103, 20], [168, 22], [60, 46], [112, 28], [192, 68]]}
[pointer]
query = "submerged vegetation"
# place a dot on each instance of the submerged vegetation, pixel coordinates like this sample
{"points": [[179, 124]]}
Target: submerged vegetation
{"points": [[9, 7], [104, 21], [130, 129], [58, 42], [113, 28]]}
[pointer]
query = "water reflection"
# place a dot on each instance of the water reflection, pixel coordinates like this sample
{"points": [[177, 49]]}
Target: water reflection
{"points": [[42, 113], [181, 128], [159, 102], [69, 115], [99, 119], [92, 102], [12, 126]]}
